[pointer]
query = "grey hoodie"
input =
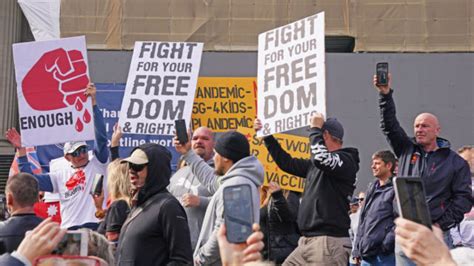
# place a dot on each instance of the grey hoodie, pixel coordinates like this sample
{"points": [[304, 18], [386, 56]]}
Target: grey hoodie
{"points": [[246, 171]]}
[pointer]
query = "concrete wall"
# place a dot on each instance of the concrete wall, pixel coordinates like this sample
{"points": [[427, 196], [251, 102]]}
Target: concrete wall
{"points": [[438, 83]]}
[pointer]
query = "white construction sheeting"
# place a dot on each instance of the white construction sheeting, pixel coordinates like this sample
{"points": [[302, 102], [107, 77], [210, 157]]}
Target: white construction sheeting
{"points": [[43, 17]]}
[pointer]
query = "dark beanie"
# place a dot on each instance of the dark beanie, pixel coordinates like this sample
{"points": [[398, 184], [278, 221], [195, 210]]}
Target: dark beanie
{"points": [[334, 128], [232, 145]]}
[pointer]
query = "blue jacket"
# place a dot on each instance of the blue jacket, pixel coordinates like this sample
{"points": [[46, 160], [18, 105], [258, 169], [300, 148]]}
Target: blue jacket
{"points": [[12, 231], [445, 174], [375, 234]]}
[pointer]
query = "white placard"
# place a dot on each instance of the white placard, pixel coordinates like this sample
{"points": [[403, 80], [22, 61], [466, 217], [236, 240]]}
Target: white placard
{"points": [[291, 75], [52, 77], [160, 87]]}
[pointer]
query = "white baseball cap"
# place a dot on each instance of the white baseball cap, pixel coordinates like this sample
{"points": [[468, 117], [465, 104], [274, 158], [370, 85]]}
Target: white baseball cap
{"points": [[70, 147]]}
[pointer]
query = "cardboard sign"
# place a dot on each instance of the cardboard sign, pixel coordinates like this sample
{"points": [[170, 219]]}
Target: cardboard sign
{"points": [[160, 87], [291, 75], [223, 104], [52, 77], [296, 146]]}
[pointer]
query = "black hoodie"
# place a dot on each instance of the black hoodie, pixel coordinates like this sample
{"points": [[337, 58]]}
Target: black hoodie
{"points": [[156, 231], [330, 182]]}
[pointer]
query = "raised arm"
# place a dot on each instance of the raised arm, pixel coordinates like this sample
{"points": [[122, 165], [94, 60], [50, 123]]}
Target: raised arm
{"points": [[100, 144], [295, 166], [115, 142], [203, 172], [44, 180], [396, 136]]}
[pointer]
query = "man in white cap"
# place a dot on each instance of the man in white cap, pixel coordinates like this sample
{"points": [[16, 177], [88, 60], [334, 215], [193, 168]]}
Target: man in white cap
{"points": [[74, 182]]}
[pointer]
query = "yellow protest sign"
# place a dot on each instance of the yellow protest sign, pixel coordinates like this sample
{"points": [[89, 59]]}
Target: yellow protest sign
{"points": [[296, 146], [223, 103]]}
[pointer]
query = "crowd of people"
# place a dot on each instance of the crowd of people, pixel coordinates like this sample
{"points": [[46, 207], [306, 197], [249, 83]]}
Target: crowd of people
{"points": [[147, 215]]}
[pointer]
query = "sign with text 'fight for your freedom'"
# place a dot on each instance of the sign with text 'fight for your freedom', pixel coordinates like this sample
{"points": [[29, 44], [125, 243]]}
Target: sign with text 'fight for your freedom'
{"points": [[291, 75], [160, 87]]}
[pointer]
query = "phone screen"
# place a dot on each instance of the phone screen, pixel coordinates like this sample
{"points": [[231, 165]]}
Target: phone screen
{"points": [[238, 213], [411, 200], [180, 127], [382, 73], [73, 243]]}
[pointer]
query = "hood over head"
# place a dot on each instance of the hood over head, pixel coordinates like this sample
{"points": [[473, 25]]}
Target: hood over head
{"points": [[159, 170]]}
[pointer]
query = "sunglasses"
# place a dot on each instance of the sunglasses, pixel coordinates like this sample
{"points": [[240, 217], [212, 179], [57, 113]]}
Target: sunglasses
{"points": [[79, 151], [136, 167], [361, 199]]}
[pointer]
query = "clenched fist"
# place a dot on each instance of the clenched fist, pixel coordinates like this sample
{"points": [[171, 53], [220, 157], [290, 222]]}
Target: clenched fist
{"points": [[60, 77]]}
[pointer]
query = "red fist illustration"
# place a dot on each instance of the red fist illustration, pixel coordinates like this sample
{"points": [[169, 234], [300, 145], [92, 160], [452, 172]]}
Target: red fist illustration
{"points": [[57, 80], [78, 178]]}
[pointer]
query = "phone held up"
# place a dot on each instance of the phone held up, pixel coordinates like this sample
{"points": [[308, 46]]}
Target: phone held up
{"points": [[181, 132], [238, 212], [74, 242], [411, 200], [382, 73]]}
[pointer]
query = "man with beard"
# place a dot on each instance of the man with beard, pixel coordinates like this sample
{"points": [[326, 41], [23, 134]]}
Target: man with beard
{"points": [[186, 187], [156, 231], [233, 166]]}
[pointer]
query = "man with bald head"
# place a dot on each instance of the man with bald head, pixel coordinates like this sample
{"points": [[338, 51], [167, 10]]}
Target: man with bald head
{"points": [[444, 173], [186, 187]]}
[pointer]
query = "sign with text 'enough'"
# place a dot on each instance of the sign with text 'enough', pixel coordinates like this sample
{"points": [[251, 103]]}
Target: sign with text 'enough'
{"points": [[52, 77], [291, 75], [160, 87]]}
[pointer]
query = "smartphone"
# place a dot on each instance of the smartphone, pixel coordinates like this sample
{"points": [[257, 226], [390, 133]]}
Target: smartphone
{"points": [[238, 212], [382, 73], [74, 242], [411, 200], [181, 132], [97, 185]]}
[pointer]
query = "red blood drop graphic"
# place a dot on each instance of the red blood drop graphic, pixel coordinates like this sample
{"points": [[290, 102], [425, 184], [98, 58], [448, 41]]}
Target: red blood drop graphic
{"points": [[79, 125], [78, 105], [86, 117]]}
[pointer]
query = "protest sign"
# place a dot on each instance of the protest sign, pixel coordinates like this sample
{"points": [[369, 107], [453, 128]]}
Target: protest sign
{"points": [[160, 87], [52, 77], [296, 146], [223, 103], [291, 75], [109, 100]]}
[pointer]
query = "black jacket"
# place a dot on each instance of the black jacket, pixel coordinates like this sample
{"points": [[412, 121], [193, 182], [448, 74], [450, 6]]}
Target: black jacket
{"points": [[445, 174], [156, 231], [375, 234], [278, 223], [330, 182], [12, 231]]}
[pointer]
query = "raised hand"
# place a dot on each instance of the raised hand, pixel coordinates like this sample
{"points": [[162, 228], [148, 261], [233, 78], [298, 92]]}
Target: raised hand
{"points": [[13, 137], [383, 89]]}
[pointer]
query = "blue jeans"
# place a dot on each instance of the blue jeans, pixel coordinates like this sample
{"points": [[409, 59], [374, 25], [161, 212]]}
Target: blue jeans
{"points": [[382, 260]]}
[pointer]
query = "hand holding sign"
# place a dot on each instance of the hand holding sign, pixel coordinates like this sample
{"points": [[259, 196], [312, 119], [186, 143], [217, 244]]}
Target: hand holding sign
{"points": [[317, 120], [60, 75]]}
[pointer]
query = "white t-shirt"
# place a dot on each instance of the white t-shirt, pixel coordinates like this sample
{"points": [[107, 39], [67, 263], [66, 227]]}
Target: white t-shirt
{"points": [[74, 187]]}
